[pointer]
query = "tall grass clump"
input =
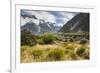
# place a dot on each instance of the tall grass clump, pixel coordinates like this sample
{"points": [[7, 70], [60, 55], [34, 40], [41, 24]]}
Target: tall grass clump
{"points": [[72, 55], [37, 54], [56, 55]]}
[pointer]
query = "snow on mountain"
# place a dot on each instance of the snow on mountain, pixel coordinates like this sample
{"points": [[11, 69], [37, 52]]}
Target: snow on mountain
{"points": [[37, 26]]}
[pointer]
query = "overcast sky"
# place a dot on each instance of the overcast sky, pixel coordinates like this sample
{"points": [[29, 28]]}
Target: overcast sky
{"points": [[58, 17]]}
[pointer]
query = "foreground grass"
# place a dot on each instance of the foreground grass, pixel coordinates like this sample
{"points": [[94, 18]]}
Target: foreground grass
{"points": [[62, 51]]}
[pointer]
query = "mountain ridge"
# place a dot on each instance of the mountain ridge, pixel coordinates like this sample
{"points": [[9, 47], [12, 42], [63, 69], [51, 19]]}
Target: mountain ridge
{"points": [[79, 23]]}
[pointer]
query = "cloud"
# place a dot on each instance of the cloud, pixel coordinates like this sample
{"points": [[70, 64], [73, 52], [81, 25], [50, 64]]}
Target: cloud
{"points": [[60, 18], [66, 16], [63, 17], [47, 16]]}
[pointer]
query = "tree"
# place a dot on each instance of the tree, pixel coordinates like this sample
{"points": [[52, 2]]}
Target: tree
{"points": [[27, 38]]}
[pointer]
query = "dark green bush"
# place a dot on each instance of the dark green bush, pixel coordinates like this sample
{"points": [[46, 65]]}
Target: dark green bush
{"points": [[80, 51], [48, 38], [56, 55], [27, 38]]}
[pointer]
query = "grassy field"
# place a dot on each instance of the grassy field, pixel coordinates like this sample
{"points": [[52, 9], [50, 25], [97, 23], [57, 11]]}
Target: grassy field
{"points": [[54, 47], [62, 51]]}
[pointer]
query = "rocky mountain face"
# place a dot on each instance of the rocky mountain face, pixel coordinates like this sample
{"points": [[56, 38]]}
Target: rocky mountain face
{"points": [[31, 26], [79, 23], [38, 28]]}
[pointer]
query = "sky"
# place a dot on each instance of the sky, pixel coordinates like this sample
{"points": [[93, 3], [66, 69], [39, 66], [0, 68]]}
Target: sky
{"points": [[57, 17]]}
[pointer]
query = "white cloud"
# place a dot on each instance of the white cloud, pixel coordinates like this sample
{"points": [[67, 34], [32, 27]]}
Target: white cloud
{"points": [[24, 21], [65, 20], [47, 16], [68, 15], [60, 24]]}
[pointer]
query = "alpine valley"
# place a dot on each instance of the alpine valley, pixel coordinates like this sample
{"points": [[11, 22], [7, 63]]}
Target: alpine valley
{"points": [[54, 36]]}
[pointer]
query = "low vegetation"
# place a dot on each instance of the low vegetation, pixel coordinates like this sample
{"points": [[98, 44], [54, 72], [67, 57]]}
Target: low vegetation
{"points": [[27, 38], [56, 55], [51, 47]]}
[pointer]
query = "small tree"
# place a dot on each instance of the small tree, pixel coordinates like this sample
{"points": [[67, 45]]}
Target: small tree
{"points": [[27, 38]]}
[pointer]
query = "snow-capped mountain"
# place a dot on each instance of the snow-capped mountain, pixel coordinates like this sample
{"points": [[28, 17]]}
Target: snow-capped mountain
{"points": [[37, 26], [38, 22], [31, 26]]}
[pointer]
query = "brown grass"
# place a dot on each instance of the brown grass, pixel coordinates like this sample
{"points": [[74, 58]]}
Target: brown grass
{"points": [[68, 48]]}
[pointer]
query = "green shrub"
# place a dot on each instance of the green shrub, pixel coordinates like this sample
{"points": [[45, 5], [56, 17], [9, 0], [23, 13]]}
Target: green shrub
{"points": [[48, 38], [27, 38], [37, 54], [80, 51], [56, 54], [40, 41]]}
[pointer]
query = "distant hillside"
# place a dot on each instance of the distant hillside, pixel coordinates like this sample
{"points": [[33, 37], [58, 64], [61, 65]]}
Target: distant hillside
{"points": [[79, 23]]}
